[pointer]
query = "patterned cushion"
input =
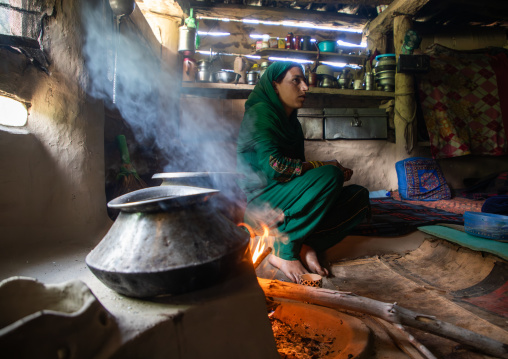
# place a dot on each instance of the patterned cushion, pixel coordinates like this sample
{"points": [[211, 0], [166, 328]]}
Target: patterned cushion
{"points": [[421, 179]]}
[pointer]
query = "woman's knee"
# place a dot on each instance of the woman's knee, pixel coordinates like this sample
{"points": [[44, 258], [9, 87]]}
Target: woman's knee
{"points": [[332, 176]]}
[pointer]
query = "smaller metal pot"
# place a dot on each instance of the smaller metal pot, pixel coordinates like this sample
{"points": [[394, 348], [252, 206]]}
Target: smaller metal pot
{"points": [[252, 77]]}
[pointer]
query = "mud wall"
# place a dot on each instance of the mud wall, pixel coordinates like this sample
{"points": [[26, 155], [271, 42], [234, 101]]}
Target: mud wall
{"points": [[52, 183]]}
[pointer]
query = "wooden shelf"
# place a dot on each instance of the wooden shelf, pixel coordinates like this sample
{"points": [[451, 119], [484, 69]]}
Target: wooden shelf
{"points": [[311, 55], [351, 93], [216, 86], [207, 88], [211, 89]]}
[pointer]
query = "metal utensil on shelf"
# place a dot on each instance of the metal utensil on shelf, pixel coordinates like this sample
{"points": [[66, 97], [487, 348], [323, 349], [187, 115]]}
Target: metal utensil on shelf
{"points": [[225, 76]]}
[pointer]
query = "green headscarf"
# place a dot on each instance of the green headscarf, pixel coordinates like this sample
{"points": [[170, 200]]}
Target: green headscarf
{"points": [[264, 108], [267, 132]]}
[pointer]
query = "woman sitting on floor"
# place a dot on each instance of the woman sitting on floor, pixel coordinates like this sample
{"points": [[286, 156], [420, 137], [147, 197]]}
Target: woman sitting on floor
{"points": [[319, 211]]}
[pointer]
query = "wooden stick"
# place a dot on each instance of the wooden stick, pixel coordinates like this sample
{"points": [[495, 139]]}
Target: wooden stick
{"points": [[419, 346], [400, 339], [263, 255], [390, 312]]}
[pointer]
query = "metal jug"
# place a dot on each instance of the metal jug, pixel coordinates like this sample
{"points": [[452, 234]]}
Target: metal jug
{"points": [[189, 70], [240, 67]]}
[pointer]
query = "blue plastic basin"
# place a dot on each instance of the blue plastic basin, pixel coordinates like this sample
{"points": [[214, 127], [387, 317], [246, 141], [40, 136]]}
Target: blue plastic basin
{"points": [[486, 225]]}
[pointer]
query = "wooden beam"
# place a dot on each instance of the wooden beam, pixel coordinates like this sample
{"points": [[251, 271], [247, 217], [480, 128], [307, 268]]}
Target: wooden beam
{"points": [[405, 103], [383, 23], [141, 24], [347, 2], [241, 12], [239, 42]]}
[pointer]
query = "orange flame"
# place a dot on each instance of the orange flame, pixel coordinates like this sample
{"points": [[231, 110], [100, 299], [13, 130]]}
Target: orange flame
{"points": [[261, 245]]}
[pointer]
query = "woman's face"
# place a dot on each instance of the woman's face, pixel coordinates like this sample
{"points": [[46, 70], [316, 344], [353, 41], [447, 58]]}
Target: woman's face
{"points": [[292, 89]]}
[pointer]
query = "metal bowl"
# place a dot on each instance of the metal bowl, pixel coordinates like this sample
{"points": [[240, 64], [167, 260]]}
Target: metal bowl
{"points": [[226, 76]]}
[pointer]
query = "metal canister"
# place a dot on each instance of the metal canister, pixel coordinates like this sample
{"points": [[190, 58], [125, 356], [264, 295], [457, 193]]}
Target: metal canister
{"points": [[187, 39], [369, 81]]}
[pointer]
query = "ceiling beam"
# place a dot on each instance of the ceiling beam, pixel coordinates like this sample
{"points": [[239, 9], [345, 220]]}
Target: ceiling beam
{"points": [[240, 12], [383, 23], [347, 2]]}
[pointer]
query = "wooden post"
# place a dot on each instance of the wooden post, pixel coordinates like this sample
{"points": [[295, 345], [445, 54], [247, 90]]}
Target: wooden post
{"points": [[405, 104]]}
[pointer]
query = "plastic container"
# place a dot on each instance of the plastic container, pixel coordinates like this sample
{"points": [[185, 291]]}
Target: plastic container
{"points": [[382, 193], [327, 46], [486, 225]]}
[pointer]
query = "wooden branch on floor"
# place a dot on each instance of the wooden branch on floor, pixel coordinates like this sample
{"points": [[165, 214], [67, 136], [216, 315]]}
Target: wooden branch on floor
{"points": [[421, 348], [387, 311]]}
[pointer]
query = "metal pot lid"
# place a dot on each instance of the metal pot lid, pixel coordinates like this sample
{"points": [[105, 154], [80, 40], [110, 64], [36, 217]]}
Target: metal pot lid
{"points": [[171, 175], [379, 57], [161, 198]]}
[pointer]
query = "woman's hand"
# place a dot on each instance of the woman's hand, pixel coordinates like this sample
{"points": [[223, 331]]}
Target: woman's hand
{"points": [[348, 173]]}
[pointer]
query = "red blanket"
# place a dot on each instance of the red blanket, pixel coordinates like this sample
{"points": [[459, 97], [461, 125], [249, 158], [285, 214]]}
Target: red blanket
{"points": [[460, 102], [457, 205]]}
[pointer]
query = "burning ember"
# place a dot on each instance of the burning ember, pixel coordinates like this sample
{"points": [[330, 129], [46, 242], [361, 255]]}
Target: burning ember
{"points": [[260, 249], [291, 345]]}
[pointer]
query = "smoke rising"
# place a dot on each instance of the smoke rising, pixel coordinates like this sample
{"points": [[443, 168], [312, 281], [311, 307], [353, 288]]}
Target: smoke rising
{"points": [[147, 95]]}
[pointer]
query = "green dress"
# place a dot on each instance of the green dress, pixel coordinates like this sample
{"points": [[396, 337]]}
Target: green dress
{"points": [[318, 209]]}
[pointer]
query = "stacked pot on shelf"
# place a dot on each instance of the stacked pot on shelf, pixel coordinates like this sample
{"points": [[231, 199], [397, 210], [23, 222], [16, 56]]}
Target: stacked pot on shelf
{"points": [[384, 72]]}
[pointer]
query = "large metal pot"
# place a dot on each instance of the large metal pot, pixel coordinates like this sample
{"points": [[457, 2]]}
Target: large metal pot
{"points": [[167, 240]]}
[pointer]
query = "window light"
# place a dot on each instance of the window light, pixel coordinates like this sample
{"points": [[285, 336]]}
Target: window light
{"points": [[349, 44], [213, 33], [13, 113]]}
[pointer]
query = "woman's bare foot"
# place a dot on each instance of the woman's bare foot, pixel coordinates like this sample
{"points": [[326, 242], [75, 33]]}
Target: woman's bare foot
{"points": [[292, 269], [310, 260]]}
